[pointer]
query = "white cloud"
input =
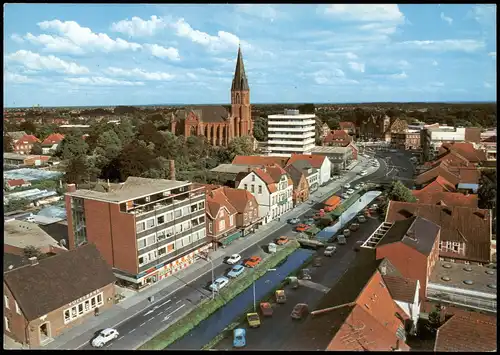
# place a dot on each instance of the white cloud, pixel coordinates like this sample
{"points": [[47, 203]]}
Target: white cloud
{"points": [[36, 61], [485, 14], [401, 75], [359, 67], [365, 12], [348, 55], [465, 45], [435, 63], [16, 38], [162, 52], [403, 64], [493, 55], [487, 85], [330, 77], [437, 84], [384, 28], [446, 18], [76, 39], [223, 40], [139, 74], [191, 76], [16, 78], [137, 27], [264, 11], [102, 81]]}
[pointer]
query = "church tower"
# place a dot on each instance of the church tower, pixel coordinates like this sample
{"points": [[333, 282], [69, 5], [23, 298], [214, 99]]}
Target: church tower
{"points": [[241, 111]]}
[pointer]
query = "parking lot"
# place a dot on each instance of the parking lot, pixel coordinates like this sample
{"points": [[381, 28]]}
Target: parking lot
{"points": [[275, 330]]}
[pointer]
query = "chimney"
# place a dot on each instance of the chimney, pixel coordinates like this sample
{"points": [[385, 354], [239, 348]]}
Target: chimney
{"points": [[383, 270], [71, 187], [249, 168], [33, 261], [172, 169]]}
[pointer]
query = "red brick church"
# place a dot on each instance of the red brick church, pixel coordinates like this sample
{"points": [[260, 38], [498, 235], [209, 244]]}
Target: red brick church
{"points": [[214, 122]]}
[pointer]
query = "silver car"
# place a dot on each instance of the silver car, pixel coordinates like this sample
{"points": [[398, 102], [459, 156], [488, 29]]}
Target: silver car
{"points": [[105, 337]]}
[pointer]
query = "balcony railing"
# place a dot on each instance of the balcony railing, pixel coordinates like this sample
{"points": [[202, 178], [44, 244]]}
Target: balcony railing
{"points": [[489, 305]]}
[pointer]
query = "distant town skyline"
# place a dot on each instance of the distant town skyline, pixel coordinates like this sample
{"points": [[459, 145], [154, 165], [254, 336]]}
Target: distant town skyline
{"points": [[111, 55]]}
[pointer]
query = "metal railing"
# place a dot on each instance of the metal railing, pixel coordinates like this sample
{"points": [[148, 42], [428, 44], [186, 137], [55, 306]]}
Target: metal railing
{"points": [[462, 300]]}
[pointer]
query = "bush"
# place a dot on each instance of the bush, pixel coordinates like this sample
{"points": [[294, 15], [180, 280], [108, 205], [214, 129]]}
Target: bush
{"points": [[209, 306]]}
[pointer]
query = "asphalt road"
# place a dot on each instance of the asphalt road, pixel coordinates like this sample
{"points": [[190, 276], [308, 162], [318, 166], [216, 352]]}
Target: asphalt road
{"points": [[145, 324], [276, 330]]}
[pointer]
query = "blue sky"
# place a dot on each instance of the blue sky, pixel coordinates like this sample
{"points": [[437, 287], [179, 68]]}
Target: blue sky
{"points": [[79, 55]]}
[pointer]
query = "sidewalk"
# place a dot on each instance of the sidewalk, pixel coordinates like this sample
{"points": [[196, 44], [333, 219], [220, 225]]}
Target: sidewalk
{"points": [[130, 306]]}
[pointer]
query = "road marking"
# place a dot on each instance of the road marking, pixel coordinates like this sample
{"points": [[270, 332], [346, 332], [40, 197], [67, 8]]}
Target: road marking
{"points": [[179, 301], [164, 303], [160, 312], [153, 317], [142, 324], [149, 312], [107, 346], [168, 315], [133, 330], [123, 336]]}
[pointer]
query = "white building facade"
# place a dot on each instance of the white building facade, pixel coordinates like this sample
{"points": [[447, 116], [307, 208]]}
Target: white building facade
{"points": [[291, 132], [431, 139]]}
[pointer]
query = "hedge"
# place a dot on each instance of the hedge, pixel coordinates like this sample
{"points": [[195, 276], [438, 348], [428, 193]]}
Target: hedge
{"points": [[209, 306]]}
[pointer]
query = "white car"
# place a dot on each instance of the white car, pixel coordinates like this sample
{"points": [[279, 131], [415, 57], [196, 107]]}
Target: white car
{"points": [[219, 283], [105, 337], [358, 186], [329, 251], [346, 186], [345, 196], [350, 191], [363, 173], [233, 259]]}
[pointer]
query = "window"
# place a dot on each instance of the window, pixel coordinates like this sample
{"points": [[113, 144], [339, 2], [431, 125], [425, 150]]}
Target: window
{"points": [[6, 300], [170, 216], [178, 228], [260, 189], [99, 299], [170, 248], [160, 235], [178, 213], [93, 302], [18, 310], [140, 227], [87, 305], [201, 205], [202, 219], [73, 312], [186, 211], [252, 188], [142, 243], [253, 177], [7, 324], [67, 316], [150, 223], [231, 220], [210, 227], [151, 239], [161, 220], [162, 251], [222, 225], [202, 233], [141, 260], [80, 309], [246, 187]]}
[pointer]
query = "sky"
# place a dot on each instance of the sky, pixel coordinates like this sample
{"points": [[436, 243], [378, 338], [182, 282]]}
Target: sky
{"points": [[97, 55]]}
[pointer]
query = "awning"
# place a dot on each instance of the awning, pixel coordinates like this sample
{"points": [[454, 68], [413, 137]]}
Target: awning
{"points": [[231, 238]]}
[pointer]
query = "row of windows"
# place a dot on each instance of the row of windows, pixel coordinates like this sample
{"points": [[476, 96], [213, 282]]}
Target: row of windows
{"points": [[7, 304], [456, 247], [222, 224], [171, 247], [82, 308], [169, 216], [168, 232]]}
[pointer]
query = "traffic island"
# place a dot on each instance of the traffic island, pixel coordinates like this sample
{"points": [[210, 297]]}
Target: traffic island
{"points": [[207, 307]]}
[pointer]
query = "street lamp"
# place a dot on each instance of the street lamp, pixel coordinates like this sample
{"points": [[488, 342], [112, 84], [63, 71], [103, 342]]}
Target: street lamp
{"points": [[207, 258], [254, 301]]}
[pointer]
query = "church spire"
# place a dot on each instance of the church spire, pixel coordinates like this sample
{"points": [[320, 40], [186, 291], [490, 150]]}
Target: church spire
{"points": [[240, 82]]}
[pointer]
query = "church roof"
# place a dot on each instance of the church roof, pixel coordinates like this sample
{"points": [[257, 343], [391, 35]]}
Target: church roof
{"points": [[240, 82]]}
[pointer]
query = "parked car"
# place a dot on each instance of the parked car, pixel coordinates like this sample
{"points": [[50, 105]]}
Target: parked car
{"points": [[300, 311], [358, 186], [341, 239], [345, 196], [253, 320], [218, 284], [309, 221], [294, 221], [253, 261], [347, 186], [363, 173], [361, 219], [233, 259], [266, 309], [317, 262], [346, 232], [330, 250], [358, 245], [350, 191], [282, 240], [354, 227], [236, 271], [105, 337], [239, 335], [305, 274], [302, 227]]}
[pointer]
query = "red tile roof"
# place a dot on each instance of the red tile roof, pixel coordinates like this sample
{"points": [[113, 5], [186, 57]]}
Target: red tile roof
{"points": [[239, 198], [471, 226], [54, 138], [448, 198], [347, 125], [337, 135], [440, 184], [441, 169], [467, 331], [217, 200], [465, 149], [268, 180], [401, 288], [16, 182], [28, 138], [315, 160], [259, 160]]}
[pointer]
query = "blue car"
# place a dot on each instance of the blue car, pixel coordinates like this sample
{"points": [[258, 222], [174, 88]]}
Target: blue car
{"points": [[239, 340], [236, 271]]}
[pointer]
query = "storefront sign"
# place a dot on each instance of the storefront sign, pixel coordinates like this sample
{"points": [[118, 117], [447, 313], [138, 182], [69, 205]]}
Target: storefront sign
{"points": [[85, 297]]}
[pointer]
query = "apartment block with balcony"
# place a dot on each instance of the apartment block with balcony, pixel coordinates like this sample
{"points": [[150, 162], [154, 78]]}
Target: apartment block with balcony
{"points": [[146, 229], [291, 133]]}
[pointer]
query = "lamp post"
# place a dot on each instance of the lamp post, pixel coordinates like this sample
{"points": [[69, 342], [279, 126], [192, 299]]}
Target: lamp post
{"points": [[254, 301], [207, 258]]}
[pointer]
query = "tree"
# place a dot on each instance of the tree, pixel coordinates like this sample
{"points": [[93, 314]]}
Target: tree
{"points": [[488, 190], [79, 169], [306, 108], [15, 205], [240, 146], [46, 130], [125, 131], [8, 144], [260, 129], [37, 149], [435, 319], [28, 127], [136, 159], [32, 251], [71, 146], [399, 192]]}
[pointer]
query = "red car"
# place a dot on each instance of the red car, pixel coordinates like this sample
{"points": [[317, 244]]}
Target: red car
{"points": [[253, 261], [282, 240], [302, 227]]}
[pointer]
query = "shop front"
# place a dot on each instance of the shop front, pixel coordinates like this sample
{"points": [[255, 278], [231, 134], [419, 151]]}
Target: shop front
{"points": [[230, 238]]}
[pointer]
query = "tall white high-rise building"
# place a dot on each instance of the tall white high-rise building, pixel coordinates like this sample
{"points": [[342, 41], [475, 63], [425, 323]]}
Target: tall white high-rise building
{"points": [[291, 133]]}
